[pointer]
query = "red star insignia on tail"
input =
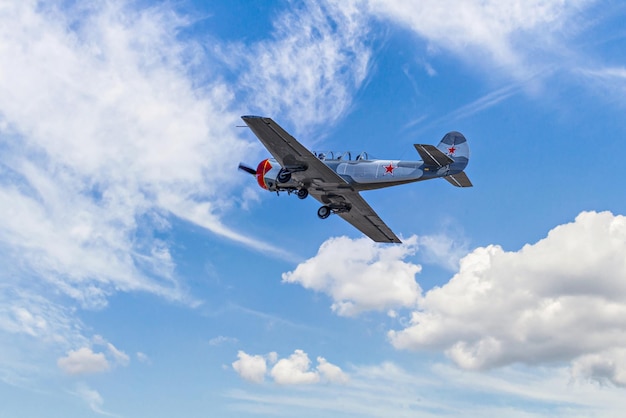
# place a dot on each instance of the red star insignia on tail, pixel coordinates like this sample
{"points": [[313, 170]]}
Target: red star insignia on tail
{"points": [[451, 150]]}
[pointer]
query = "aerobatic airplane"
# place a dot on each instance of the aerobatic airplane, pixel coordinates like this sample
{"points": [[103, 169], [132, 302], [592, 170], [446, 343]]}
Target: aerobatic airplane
{"points": [[335, 180]]}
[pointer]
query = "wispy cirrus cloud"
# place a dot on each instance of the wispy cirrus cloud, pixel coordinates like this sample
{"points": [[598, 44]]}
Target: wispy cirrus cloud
{"points": [[308, 75], [508, 34], [105, 135], [92, 398]]}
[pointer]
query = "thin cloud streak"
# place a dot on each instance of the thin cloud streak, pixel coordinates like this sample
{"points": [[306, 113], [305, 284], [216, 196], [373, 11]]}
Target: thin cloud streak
{"points": [[387, 389]]}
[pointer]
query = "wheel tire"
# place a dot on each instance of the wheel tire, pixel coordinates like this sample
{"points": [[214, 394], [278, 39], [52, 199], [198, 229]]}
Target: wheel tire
{"points": [[302, 193], [283, 176], [324, 212]]}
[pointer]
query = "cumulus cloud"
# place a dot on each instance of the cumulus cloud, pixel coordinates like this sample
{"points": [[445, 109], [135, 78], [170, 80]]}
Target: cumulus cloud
{"points": [[608, 366], [361, 275], [83, 361], [292, 370], [329, 372], [251, 367], [560, 299]]}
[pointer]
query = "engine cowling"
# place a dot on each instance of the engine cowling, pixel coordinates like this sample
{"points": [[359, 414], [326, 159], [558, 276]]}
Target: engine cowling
{"points": [[266, 174]]}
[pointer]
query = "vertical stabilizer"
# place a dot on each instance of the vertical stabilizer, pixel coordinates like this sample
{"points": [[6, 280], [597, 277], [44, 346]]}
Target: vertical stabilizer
{"points": [[455, 146]]}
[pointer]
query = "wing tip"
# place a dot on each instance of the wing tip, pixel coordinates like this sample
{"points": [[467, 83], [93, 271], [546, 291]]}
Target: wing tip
{"points": [[389, 240]]}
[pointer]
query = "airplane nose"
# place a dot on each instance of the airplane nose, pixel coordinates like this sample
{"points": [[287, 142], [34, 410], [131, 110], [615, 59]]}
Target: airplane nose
{"points": [[262, 169]]}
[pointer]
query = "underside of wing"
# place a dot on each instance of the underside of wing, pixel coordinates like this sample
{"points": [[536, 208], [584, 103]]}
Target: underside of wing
{"points": [[359, 214]]}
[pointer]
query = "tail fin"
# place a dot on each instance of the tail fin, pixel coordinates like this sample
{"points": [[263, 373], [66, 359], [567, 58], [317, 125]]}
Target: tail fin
{"points": [[455, 146]]}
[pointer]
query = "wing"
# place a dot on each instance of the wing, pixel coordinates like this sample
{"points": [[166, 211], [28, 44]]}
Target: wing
{"points": [[361, 215], [291, 154], [322, 182]]}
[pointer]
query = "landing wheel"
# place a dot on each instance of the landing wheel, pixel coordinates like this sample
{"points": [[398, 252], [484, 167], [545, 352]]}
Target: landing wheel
{"points": [[302, 193], [283, 176], [324, 212]]}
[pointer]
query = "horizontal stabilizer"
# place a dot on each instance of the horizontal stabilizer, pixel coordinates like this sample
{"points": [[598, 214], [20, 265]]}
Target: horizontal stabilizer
{"points": [[459, 180], [432, 156]]}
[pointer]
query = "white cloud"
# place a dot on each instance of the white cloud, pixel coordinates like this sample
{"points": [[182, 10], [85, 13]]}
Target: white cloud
{"points": [[251, 367], [504, 32], [610, 80], [329, 372], [92, 398], [361, 275], [220, 339], [143, 358], [104, 136], [119, 357], [309, 74], [610, 73], [560, 299], [83, 361], [292, 370], [426, 390]]}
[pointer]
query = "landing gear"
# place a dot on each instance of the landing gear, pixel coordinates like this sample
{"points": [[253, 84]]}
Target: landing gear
{"points": [[302, 193], [324, 212]]}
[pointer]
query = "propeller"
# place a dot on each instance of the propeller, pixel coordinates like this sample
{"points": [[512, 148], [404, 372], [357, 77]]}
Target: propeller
{"points": [[247, 169]]}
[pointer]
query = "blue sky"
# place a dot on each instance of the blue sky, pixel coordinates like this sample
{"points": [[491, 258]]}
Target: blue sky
{"points": [[142, 274]]}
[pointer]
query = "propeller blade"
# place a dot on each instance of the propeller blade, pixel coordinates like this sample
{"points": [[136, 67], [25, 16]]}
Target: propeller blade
{"points": [[247, 169]]}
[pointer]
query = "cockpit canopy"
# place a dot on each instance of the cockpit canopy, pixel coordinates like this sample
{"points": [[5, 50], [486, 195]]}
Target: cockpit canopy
{"points": [[340, 156]]}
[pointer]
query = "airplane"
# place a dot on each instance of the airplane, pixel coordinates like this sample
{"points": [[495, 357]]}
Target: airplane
{"points": [[335, 180]]}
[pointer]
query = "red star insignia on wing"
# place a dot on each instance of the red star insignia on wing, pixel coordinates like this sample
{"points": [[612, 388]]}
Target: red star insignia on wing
{"points": [[389, 169]]}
